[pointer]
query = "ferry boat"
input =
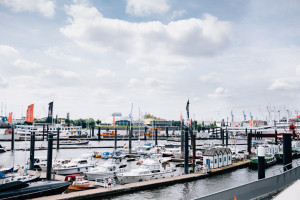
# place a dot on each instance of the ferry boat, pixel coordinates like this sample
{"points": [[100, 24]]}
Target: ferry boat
{"points": [[269, 161]]}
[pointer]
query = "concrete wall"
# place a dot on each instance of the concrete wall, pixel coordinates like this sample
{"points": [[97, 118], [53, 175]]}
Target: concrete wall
{"points": [[257, 188]]}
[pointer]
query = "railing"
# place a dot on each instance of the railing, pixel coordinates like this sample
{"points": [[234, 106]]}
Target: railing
{"points": [[286, 167]]}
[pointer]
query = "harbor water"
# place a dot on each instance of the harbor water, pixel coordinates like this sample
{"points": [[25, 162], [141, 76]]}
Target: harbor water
{"points": [[188, 190]]}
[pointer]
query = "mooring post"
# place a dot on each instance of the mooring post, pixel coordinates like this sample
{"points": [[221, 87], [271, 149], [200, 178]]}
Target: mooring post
{"points": [[255, 137], [43, 132], [182, 142], [155, 136], [261, 162], [194, 151], [294, 134], [32, 141], [99, 133], [226, 136], [57, 139], [116, 139], [130, 136], [287, 151], [93, 131], [276, 138], [167, 132], [49, 157], [249, 138], [222, 136], [186, 150], [12, 138], [145, 133], [47, 132]]}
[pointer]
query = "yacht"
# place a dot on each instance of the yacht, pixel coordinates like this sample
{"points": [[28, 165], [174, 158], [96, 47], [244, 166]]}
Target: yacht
{"points": [[109, 169], [77, 165]]}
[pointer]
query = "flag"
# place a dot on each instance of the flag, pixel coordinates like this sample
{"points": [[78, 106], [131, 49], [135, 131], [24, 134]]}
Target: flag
{"points": [[251, 122], [29, 116], [50, 112], [114, 120], [188, 109], [181, 119], [10, 117]]}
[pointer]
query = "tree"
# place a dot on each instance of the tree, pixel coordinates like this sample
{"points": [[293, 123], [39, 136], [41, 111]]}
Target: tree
{"points": [[98, 122], [80, 122], [90, 122]]}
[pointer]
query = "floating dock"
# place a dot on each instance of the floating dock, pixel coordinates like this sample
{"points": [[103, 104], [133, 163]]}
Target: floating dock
{"points": [[138, 186]]}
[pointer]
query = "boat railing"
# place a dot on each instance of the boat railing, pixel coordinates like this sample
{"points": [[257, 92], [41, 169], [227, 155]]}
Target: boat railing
{"points": [[104, 182], [286, 167]]}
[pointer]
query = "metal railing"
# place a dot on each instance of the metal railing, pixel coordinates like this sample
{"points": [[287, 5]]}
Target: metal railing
{"points": [[286, 167]]}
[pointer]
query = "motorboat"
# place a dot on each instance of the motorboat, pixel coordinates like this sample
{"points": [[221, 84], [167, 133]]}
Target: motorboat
{"points": [[109, 169], [72, 142], [77, 165], [78, 183], [150, 169], [21, 190], [269, 161]]}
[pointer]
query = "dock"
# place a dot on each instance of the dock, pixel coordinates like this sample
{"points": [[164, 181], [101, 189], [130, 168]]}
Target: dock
{"points": [[138, 186]]}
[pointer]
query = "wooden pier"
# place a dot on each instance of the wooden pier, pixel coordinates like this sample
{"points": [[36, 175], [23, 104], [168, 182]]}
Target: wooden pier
{"points": [[138, 186]]}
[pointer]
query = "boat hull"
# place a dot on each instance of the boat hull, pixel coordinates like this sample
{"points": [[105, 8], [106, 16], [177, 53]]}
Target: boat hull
{"points": [[94, 176], [66, 171], [134, 179]]}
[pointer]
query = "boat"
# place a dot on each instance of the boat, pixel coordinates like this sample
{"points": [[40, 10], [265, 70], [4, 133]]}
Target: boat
{"points": [[2, 149], [21, 190], [269, 161], [77, 165], [72, 142], [109, 169], [77, 183], [150, 169]]}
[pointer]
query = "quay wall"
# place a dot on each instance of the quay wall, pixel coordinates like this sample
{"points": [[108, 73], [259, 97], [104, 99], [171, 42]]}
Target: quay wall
{"points": [[258, 188]]}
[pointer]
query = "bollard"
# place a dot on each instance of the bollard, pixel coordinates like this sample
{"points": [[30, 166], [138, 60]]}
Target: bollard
{"points": [[276, 138], [49, 157], [130, 135], [116, 139], [287, 151], [43, 132], [156, 137], [57, 139], [145, 134], [12, 138], [261, 162], [32, 141], [226, 136], [99, 133], [186, 150]]}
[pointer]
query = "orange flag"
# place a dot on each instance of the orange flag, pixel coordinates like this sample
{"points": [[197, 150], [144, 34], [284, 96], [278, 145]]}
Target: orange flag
{"points": [[10, 117], [114, 120], [29, 117], [181, 119], [251, 123]]}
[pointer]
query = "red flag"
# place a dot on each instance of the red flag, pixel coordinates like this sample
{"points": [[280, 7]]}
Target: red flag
{"points": [[114, 120], [251, 122], [181, 119], [29, 117], [10, 117]]}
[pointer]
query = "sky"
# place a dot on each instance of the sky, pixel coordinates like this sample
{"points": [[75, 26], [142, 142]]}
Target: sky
{"points": [[97, 57]]}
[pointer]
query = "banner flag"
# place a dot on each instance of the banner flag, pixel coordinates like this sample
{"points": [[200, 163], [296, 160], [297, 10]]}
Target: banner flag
{"points": [[10, 117], [29, 116]]}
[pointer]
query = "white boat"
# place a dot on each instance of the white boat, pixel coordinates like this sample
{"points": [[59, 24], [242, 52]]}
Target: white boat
{"points": [[78, 165], [150, 169], [109, 169]]}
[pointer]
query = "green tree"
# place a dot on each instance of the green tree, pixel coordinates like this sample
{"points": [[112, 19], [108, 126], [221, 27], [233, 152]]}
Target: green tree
{"points": [[90, 122]]}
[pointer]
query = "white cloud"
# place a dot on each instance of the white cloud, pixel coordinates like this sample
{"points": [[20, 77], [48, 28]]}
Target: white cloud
{"points": [[191, 37], [44, 7], [285, 84], [219, 92], [210, 78], [55, 52], [8, 51], [26, 65], [178, 13], [146, 7], [105, 73], [3, 82]]}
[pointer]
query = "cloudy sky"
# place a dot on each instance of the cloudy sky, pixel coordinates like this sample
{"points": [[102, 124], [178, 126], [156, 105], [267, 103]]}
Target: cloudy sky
{"points": [[94, 58]]}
